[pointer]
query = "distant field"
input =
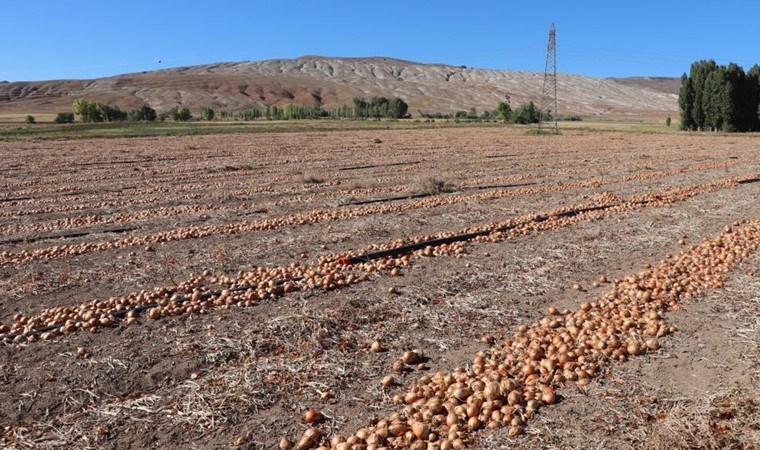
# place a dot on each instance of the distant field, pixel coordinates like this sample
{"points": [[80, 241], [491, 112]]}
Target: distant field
{"points": [[390, 284], [131, 129], [13, 129]]}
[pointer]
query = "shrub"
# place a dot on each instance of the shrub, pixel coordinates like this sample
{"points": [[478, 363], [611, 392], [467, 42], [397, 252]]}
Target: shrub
{"points": [[667, 122], [207, 113], [30, 120], [64, 117], [111, 113], [570, 118], [144, 113], [180, 114], [526, 113], [433, 186], [505, 111], [312, 179]]}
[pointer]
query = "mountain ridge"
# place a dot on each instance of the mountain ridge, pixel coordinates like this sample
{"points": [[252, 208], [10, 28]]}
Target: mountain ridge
{"points": [[334, 81]]}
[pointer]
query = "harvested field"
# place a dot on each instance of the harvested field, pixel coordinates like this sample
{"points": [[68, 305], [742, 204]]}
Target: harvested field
{"points": [[428, 289]]}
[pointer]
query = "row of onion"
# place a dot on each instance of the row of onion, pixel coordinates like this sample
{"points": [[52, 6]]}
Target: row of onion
{"points": [[313, 217], [511, 382]]}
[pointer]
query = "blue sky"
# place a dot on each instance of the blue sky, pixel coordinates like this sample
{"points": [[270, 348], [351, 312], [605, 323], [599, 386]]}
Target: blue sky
{"points": [[49, 39]]}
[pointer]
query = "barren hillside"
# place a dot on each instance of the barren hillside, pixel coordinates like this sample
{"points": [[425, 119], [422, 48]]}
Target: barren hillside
{"points": [[335, 81], [667, 85]]}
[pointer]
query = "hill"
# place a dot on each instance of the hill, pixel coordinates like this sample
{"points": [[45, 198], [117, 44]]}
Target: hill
{"points": [[335, 81], [667, 85]]}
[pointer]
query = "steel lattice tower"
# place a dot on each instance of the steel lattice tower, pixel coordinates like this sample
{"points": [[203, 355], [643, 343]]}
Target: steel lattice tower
{"points": [[549, 95]]}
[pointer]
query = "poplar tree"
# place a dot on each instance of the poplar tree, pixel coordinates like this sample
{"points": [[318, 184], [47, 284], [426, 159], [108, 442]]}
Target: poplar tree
{"points": [[686, 103], [699, 72], [720, 98], [753, 97]]}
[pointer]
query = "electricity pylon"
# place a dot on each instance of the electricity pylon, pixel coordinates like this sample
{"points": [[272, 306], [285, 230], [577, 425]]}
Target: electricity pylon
{"points": [[547, 114]]}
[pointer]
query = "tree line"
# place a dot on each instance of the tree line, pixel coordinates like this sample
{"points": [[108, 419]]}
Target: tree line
{"points": [[376, 107], [91, 111], [720, 98], [360, 108], [526, 113], [472, 114], [379, 107], [290, 111]]}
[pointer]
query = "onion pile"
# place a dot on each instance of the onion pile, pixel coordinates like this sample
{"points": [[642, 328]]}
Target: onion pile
{"points": [[511, 382]]}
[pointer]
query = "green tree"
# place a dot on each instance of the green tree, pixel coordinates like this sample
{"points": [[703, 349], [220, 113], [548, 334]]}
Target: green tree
{"points": [[526, 113], [397, 108], [64, 117], [699, 72], [752, 92], [180, 114], [378, 107], [111, 113], [29, 120], [87, 111], [143, 113], [720, 98], [667, 122], [207, 113], [361, 107], [740, 111], [91, 111], [249, 114], [505, 111], [712, 101], [686, 103], [289, 111]]}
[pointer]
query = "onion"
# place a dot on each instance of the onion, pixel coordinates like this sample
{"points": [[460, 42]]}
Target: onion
{"points": [[548, 396], [388, 381], [312, 416], [421, 430], [492, 391], [309, 439], [411, 357]]}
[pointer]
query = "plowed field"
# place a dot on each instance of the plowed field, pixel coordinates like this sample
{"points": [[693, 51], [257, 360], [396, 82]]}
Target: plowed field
{"points": [[426, 289]]}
